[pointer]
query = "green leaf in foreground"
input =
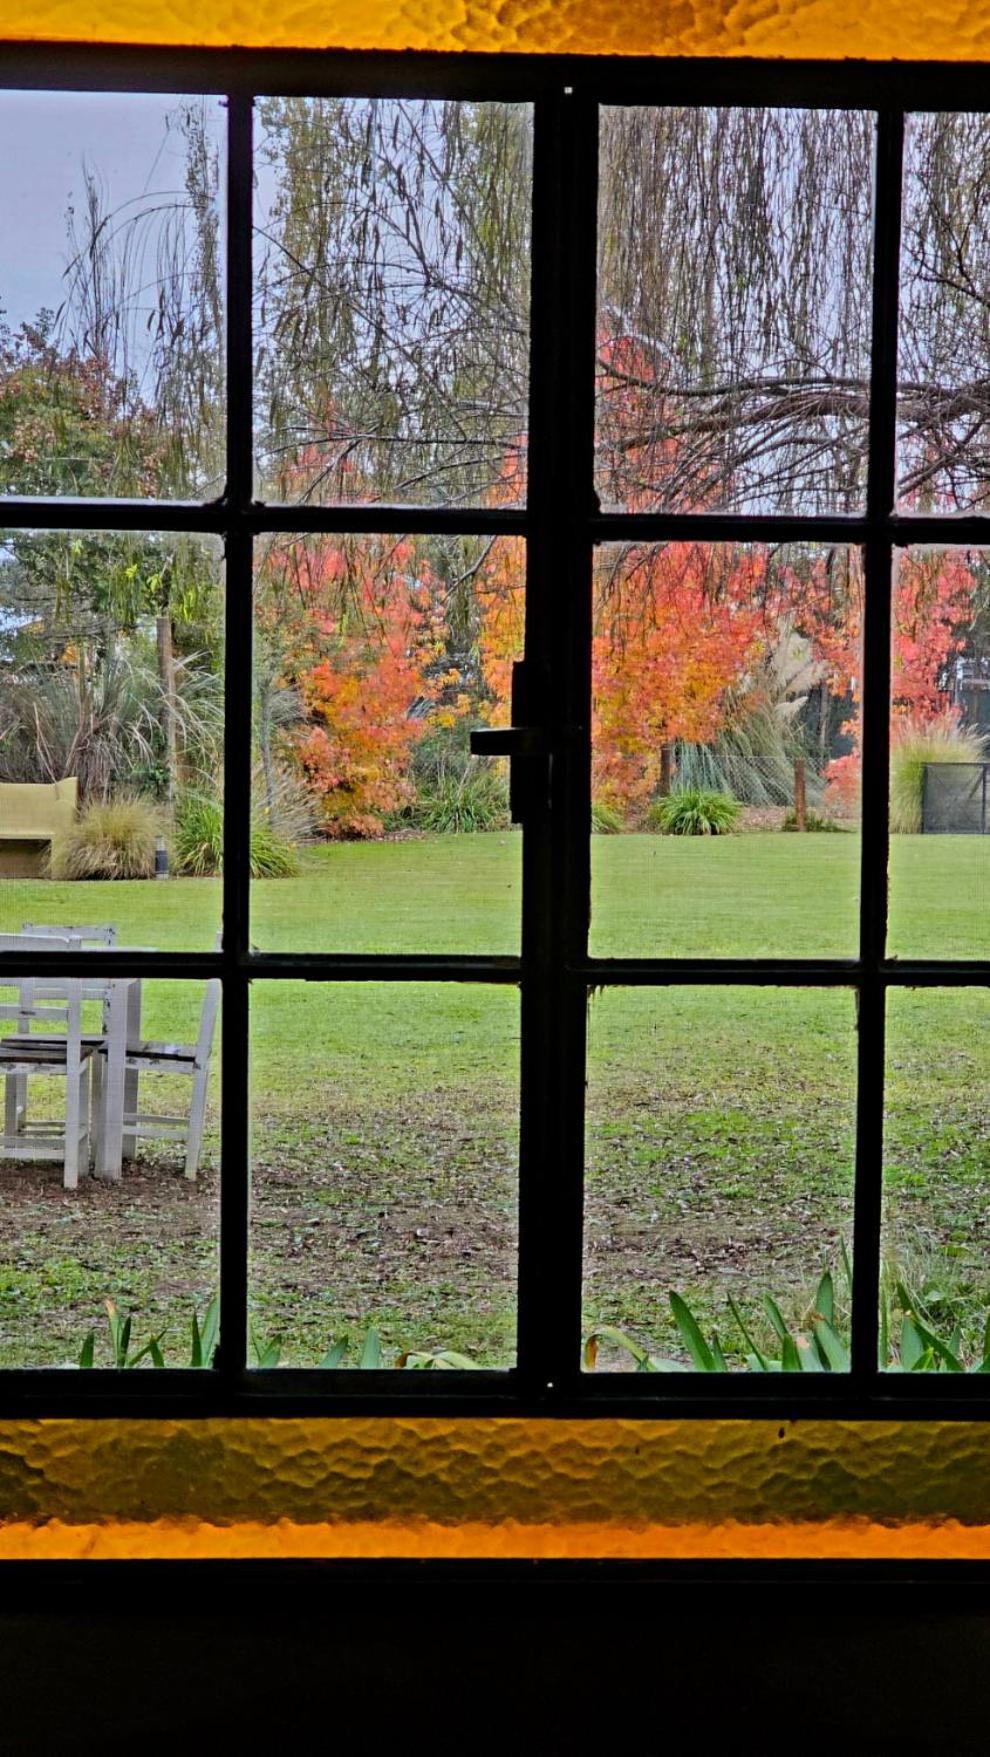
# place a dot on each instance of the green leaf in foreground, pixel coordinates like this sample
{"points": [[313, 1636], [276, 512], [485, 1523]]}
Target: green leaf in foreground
{"points": [[701, 1355]]}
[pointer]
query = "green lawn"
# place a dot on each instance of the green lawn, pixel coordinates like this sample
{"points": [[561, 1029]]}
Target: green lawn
{"points": [[720, 1125]]}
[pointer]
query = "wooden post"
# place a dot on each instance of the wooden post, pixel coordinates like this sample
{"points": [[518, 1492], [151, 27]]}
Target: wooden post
{"points": [[800, 795]]}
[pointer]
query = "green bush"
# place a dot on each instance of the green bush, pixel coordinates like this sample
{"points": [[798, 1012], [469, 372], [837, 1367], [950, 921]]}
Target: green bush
{"points": [[915, 744], [605, 820], [197, 836], [270, 856], [694, 811], [814, 825], [112, 840], [197, 841], [459, 795]]}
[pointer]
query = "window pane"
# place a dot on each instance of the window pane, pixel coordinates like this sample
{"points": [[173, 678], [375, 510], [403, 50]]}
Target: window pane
{"points": [[137, 1233], [720, 1146], [111, 295], [374, 658], [734, 309], [383, 1190], [937, 1178], [111, 734], [940, 723], [944, 454], [393, 300], [725, 679]]}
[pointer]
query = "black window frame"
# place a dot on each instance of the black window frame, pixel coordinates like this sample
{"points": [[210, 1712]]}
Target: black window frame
{"points": [[562, 524]]}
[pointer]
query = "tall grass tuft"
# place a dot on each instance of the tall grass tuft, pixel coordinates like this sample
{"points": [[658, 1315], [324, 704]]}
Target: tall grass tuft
{"points": [[459, 795], [694, 811], [115, 840], [916, 743], [197, 840], [197, 837]]}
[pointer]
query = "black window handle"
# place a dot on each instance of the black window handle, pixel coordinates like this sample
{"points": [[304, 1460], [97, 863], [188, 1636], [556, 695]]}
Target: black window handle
{"points": [[511, 741]]}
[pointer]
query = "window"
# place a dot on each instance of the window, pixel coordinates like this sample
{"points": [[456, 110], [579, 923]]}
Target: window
{"points": [[541, 478]]}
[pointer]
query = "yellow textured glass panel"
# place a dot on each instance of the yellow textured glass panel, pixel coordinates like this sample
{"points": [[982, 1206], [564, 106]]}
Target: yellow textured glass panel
{"points": [[828, 28], [493, 1488]]}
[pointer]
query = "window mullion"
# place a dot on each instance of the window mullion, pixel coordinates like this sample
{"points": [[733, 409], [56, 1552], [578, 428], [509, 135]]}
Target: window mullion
{"points": [[878, 577], [234, 1181], [565, 540]]}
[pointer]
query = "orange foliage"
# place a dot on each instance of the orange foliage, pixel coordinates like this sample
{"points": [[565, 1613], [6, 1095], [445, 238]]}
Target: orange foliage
{"points": [[366, 659], [675, 628]]}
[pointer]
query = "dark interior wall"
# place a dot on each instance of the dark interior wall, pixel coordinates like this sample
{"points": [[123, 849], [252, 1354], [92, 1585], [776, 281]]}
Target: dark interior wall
{"points": [[190, 1658]]}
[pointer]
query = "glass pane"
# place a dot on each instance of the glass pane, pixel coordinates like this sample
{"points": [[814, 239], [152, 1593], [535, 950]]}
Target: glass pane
{"points": [[111, 734], [383, 1185], [137, 1236], [940, 728], [734, 309], [720, 1147], [725, 692], [944, 453], [393, 300], [636, 27], [935, 1287], [111, 295], [374, 658]]}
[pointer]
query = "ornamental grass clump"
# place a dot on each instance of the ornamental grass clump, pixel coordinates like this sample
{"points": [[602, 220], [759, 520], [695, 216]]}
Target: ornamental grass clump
{"points": [[197, 840], [457, 796], [113, 839], [916, 743], [694, 811]]}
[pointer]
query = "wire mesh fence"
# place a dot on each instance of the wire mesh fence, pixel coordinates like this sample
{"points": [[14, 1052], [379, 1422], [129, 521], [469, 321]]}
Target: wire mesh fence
{"points": [[954, 799], [759, 781]]}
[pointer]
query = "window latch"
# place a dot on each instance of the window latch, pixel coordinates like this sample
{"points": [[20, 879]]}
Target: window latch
{"points": [[529, 744]]}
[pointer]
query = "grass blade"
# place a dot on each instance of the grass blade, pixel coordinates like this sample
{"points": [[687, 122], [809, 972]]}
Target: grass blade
{"points": [[775, 1315], [747, 1338], [698, 1349], [371, 1353], [832, 1347], [790, 1359]]}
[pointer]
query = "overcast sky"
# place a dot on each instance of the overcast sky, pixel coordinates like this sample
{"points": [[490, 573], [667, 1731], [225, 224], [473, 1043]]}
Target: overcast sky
{"points": [[45, 141]]}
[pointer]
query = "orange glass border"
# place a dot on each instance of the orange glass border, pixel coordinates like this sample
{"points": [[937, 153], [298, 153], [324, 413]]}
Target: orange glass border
{"points": [[493, 1488], [791, 29]]}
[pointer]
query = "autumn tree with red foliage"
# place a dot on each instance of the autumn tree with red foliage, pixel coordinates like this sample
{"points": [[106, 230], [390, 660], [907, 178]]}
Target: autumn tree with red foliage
{"points": [[356, 621]]}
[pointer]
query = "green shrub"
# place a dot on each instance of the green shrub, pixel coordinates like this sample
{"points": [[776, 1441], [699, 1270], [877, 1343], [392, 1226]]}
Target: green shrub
{"points": [[814, 825], [270, 856], [694, 811], [197, 836], [115, 840], [460, 795], [915, 744], [197, 841], [605, 820]]}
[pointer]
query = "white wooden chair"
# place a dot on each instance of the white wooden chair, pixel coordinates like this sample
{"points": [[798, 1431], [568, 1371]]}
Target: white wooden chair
{"points": [[87, 936], [65, 1057], [75, 937], [191, 1059]]}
